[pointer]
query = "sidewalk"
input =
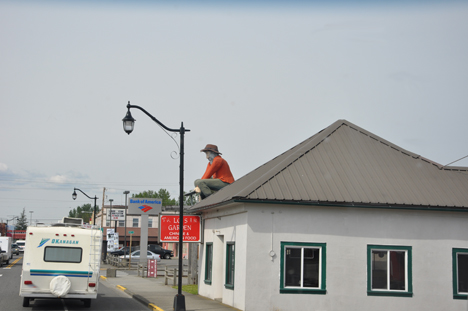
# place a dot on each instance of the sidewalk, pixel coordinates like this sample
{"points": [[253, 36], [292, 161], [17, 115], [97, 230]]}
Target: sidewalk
{"points": [[153, 293]]}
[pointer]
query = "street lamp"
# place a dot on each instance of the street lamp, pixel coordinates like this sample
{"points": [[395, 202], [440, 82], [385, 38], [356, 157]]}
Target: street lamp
{"points": [[128, 125], [30, 217], [95, 198]]}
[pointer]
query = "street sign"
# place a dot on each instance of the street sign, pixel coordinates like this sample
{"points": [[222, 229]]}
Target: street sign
{"points": [[131, 232], [169, 228], [117, 214]]}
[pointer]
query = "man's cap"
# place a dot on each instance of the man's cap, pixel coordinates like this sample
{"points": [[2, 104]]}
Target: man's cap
{"points": [[212, 148]]}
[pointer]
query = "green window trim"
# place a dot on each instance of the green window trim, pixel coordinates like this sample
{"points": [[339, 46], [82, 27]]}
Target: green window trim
{"points": [[322, 286], [455, 252], [208, 263], [230, 265], [409, 272]]}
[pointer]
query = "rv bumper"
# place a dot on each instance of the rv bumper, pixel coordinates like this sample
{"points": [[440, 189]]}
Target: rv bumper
{"points": [[50, 296]]}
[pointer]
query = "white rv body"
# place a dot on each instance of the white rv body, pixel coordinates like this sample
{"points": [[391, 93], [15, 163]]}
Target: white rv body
{"points": [[5, 245], [61, 261]]}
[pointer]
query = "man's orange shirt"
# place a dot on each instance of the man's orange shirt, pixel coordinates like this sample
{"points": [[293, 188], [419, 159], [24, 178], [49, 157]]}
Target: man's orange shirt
{"points": [[219, 169]]}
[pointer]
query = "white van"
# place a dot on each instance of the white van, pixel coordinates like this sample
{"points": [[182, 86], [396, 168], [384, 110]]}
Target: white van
{"points": [[5, 245], [61, 261], [21, 245]]}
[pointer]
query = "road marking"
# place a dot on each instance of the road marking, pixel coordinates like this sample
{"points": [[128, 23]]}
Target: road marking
{"points": [[13, 263], [154, 307], [64, 305], [121, 287]]}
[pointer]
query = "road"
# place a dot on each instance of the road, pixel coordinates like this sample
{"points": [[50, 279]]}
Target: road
{"points": [[109, 298]]}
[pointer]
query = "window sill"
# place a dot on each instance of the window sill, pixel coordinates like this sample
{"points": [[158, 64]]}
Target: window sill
{"points": [[303, 291], [460, 296], [208, 282], [389, 293], [228, 286]]}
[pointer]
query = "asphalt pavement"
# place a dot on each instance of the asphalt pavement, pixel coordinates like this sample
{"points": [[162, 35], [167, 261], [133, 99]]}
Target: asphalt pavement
{"points": [[153, 293]]}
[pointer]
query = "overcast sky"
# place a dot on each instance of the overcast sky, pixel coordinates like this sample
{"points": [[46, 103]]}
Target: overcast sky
{"points": [[255, 78]]}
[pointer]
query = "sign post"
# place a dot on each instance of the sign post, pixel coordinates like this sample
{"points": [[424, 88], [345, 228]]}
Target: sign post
{"points": [[130, 250], [144, 207]]}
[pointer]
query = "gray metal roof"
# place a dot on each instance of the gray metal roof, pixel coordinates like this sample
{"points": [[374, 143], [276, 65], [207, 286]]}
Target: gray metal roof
{"points": [[345, 164]]}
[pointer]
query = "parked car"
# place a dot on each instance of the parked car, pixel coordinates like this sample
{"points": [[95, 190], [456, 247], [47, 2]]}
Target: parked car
{"points": [[124, 251], [4, 256], [136, 256], [164, 253], [15, 249]]}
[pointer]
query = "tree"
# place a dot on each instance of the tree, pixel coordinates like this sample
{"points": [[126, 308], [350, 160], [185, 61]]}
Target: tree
{"points": [[84, 211], [162, 194], [22, 222]]}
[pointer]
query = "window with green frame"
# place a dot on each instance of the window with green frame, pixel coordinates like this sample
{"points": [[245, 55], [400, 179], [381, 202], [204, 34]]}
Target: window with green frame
{"points": [[460, 273], [230, 265], [389, 271], [208, 262], [303, 268]]}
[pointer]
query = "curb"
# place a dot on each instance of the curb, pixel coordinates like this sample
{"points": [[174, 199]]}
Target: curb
{"points": [[138, 298]]}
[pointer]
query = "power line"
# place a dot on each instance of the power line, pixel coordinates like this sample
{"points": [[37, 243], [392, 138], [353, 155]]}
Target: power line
{"points": [[455, 161]]}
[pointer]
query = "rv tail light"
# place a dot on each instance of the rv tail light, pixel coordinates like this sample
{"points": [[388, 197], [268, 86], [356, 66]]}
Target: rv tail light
{"points": [[64, 235], [30, 233], [92, 285], [73, 235], [56, 234], [27, 282]]}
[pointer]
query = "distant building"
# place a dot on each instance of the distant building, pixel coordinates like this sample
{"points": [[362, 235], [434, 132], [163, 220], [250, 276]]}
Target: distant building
{"points": [[134, 225], [343, 221]]}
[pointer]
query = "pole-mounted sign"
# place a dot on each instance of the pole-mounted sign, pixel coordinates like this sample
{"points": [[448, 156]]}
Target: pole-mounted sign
{"points": [[144, 206]]}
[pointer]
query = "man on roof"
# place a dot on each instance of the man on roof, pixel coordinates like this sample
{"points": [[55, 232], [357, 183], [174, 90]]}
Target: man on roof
{"points": [[217, 174]]}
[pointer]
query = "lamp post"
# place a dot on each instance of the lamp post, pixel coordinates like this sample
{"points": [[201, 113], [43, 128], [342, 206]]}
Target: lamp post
{"points": [[95, 198], [128, 125], [125, 213]]}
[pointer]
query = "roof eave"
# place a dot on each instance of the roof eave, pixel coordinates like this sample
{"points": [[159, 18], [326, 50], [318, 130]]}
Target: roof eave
{"points": [[336, 204]]}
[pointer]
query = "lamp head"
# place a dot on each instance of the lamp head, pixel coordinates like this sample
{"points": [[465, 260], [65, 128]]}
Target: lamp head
{"points": [[128, 122], [74, 195]]}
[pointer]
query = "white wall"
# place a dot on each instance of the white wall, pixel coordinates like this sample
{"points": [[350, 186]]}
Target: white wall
{"points": [[219, 229], [347, 232]]}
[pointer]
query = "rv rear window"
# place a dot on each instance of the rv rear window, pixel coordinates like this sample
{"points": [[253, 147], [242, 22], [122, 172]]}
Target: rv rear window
{"points": [[62, 254]]}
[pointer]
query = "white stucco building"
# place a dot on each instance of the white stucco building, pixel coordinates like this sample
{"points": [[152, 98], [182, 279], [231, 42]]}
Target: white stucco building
{"points": [[343, 221]]}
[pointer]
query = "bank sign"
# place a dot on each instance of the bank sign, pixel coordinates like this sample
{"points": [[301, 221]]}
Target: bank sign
{"points": [[144, 206], [169, 228]]}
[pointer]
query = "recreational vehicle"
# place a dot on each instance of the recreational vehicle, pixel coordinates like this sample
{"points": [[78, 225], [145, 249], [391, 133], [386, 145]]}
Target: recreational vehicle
{"points": [[61, 261]]}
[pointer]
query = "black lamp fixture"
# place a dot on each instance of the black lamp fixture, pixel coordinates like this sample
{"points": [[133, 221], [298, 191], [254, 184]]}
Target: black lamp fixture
{"points": [[129, 121], [95, 198], [128, 125]]}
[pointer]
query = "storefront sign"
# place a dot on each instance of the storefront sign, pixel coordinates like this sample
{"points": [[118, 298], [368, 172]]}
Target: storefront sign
{"points": [[169, 228]]}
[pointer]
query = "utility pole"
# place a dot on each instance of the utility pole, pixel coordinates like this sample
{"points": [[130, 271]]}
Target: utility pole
{"points": [[102, 209]]}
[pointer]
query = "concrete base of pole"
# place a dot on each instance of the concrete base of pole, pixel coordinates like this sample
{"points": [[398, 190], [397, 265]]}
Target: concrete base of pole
{"points": [[179, 302]]}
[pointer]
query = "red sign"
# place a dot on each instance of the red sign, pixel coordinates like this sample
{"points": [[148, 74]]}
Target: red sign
{"points": [[169, 228], [152, 270]]}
